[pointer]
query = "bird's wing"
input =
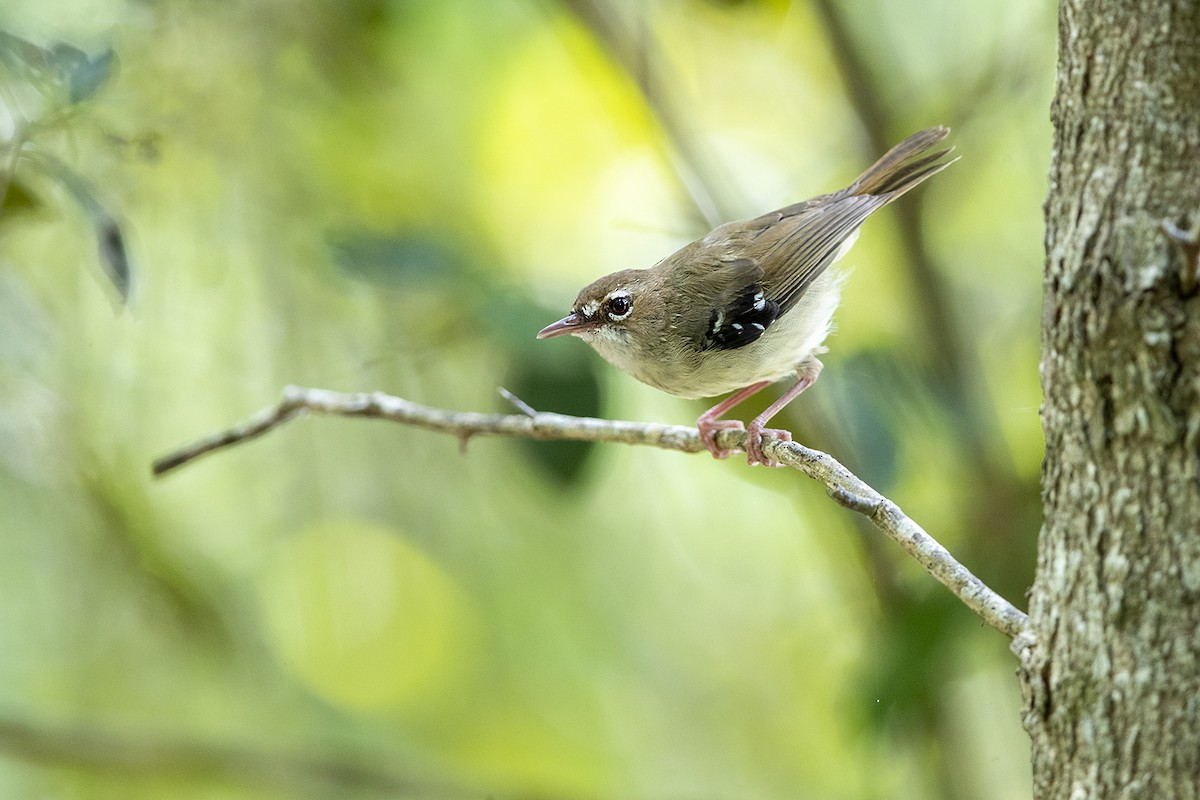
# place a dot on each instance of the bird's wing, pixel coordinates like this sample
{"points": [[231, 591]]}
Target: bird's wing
{"points": [[794, 249], [741, 311], [782, 254], [759, 269]]}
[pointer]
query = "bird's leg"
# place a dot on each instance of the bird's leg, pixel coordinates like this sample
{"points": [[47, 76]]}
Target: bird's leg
{"points": [[710, 422], [806, 375]]}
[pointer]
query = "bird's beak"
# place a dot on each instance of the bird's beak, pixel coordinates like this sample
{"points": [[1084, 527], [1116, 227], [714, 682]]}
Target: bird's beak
{"points": [[568, 324]]}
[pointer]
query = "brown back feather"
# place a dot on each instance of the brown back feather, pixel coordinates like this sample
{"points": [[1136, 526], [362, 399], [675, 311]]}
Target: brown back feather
{"points": [[803, 239]]}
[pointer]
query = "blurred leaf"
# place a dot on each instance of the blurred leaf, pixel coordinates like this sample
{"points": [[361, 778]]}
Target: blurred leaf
{"points": [[84, 74], [548, 376], [547, 381], [26, 60], [514, 319], [63, 69], [862, 390], [109, 237], [395, 259], [911, 656], [557, 378], [113, 256], [18, 198]]}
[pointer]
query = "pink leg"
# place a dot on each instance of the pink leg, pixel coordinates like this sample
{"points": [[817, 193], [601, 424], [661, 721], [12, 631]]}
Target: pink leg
{"points": [[807, 375], [710, 422]]}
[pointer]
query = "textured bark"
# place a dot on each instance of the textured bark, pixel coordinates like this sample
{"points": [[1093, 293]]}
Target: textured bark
{"points": [[1110, 662]]}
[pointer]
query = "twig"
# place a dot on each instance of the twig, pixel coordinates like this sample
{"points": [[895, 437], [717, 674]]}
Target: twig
{"points": [[520, 404], [845, 487]]}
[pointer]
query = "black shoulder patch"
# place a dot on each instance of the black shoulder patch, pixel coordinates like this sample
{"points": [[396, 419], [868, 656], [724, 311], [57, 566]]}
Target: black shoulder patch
{"points": [[741, 322]]}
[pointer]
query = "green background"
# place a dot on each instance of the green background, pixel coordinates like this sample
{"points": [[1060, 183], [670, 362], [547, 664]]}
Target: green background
{"points": [[396, 196]]}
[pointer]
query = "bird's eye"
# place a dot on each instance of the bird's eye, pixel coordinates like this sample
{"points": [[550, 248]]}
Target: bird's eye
{"points": [[619, 306]]}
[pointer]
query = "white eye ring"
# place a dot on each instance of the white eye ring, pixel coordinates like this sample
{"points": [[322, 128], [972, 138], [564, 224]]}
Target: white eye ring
{"points": [[618, 306]]}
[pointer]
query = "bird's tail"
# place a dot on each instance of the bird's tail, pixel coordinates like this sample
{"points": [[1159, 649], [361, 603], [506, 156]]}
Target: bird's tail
{"points": [[905, 165]]}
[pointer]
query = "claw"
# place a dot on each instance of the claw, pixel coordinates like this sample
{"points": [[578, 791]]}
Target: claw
{"points": [[754, 442], [708, 434]]}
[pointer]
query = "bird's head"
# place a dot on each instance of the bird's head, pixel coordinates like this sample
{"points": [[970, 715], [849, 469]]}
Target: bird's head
{"points": [[611, 311]]}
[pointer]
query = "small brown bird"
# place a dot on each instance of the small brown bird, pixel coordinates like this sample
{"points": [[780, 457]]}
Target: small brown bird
{"points": [[747, 305]]}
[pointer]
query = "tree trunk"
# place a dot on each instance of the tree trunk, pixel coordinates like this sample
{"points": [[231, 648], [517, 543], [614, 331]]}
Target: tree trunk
{"points": [[1110, 663]]}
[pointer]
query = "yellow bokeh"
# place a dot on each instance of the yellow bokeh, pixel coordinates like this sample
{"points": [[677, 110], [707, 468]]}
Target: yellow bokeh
{"points": [[364, 619], [396, 197], [562, 127]]}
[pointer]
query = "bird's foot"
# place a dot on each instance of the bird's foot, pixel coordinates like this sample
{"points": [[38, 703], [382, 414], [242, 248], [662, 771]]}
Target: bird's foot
{"points": [[755, 434], [709, 428]]}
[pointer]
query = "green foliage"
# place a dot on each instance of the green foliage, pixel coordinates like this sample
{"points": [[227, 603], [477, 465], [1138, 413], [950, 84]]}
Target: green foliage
{"points": [[63, 74], [40, 87], [398, 196], [569, 386]]}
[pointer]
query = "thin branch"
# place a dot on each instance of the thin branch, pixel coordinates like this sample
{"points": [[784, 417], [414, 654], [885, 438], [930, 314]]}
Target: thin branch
{"points": [[947, 343], [845, 487]]}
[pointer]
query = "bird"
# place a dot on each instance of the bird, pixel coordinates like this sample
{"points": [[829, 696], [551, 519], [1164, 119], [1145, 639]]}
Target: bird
{"points": [[748, 304]]}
